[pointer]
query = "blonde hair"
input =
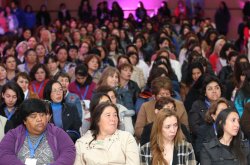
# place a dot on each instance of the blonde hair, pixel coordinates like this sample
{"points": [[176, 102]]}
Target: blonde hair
{"points": [[156, 137]]}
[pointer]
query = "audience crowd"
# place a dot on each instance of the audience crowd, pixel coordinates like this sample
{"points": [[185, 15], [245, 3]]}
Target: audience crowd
{"points": [[103, 89]]}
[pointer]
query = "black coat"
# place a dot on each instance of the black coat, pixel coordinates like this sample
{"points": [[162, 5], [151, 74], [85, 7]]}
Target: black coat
{"points": [[71, 121], [43, 18], [196, 116], [145, 136], [214, 153], [225, 73], [193, 94], [204, 135], [64, 18], [13, 122]]}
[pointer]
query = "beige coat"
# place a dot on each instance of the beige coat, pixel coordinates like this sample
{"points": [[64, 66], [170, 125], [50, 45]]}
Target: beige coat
{"points": [[147, 115], [120, 148], [3, 121]]}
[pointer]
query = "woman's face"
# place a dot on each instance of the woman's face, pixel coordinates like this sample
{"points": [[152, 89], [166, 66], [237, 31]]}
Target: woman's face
{"points": [[220, 108], [11, 63], [133, 59], [56, 94], [84, 49], [36, 123], [65, 82], [93, 64], [31, 57], [52, 65], [3, 73], [169, 128], [32, 42], [10, 98], [196, 73], [90, 28], [122, 61], [112, 81], [213, 91], [21, 49], [232, 124], [113, 45], [83, 31], [23, 83], [112, 96], [126, 73], [138, 43], [40, 75], [108, 121], [27, 34], [40, 50], [77, 36], [62, 55], [73, 53]]}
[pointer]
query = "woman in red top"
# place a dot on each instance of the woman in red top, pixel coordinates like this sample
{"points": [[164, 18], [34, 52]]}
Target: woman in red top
{"points": [[39, 76]]}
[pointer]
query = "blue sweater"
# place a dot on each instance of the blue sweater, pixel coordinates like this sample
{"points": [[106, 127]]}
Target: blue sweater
{"points": [[57, 114]]}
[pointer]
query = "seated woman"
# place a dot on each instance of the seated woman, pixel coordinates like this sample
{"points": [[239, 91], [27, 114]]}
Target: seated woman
{"points": [[125, 115], [167, 144], [11, 97], [39, 77], [210, 92], [23, 80], [69, 97], [110, 77], [36, 141], [104, 143], [64, 115], [208, 131], [228, 147], [162, 103]]}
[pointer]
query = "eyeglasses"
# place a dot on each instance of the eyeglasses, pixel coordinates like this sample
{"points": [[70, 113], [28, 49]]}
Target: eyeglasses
{"points": [[57, 90]]}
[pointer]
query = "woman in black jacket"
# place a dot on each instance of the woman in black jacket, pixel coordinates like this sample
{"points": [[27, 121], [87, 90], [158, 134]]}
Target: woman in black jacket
{"points": [[211, 91], [208, 131], [64, 115], [228, 147]]}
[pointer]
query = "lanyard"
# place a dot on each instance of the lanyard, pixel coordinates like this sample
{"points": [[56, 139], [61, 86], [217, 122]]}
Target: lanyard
{"points": [[39, 89], [26, 68], [215, 130], [31, 147], [85, 92], [207, 103], [9, 114]]}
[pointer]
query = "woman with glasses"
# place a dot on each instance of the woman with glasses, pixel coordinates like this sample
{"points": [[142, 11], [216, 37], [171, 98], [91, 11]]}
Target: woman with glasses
{"points": [[64, 115]]}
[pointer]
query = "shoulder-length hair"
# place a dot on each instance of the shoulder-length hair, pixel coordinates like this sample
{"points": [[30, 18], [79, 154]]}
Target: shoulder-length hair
{"points": [[109, 71], [236, 140], [96, 116], [16, 88], [48, 90], [156, 137], [213, 109], [35, 69], [207, 81]]}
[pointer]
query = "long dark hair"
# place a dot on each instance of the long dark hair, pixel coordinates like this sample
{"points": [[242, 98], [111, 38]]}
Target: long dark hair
{"points": [[236, 140]]}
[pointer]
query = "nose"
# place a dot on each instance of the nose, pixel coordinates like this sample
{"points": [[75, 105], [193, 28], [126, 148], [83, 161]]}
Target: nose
{"points": [[38, 118], [172, 129]]}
